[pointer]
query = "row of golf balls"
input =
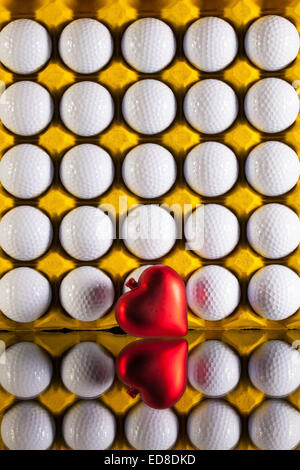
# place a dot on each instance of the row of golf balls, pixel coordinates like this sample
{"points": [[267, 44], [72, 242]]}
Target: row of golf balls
{"points": [[149, 170], [149, 45]]}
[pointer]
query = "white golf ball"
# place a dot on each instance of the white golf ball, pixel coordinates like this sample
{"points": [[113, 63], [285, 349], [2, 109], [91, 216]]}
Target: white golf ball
{"points": [[25, 46], [26, 171], [210, 106], [26, 108], [86, 293], [273, 230], [211, 169], [135, 274], [214, 425], [86, 233], [275, 425], [87, 425], [212, 231], [26, 371], [86, 108], [274, 368], [210, 44], [213, 292], [274, 292], [86, 171], [25, 295], [150, 429], [27, 426], [87, 370], [25, 233], [85, 45], [149, 106], [148, 45], [272, 42], [271, 105], [149, 170], [272, 168], [149, 231]]}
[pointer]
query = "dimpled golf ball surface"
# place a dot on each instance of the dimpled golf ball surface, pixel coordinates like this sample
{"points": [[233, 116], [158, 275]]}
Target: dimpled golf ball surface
{"points": [[135, 274], [149, 106], [272, 168], [213, 292], [27, 426], [210, 106], [86, 171], [150, 429], [25, 46], [274, 368], [273, 230], [26, 171], [272, 42], [211, 169], [86, 293], [210, 44], [149, 231], [212, 231], [275, 425], [271, 105], [214, 425], [25, 233], [87, 370], [148, 45], [34, 105], [26, 371], [85, 45], [88, 425], [86, 108], [86, 233], [149, 170], [274, 292]]}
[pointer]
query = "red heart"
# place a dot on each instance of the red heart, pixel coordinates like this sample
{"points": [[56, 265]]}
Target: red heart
{"points": [[157, 369], [156, 307]]}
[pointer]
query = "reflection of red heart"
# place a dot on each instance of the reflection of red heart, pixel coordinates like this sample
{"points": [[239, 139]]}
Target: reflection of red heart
{"points": [[156, 369], [156, 306]]}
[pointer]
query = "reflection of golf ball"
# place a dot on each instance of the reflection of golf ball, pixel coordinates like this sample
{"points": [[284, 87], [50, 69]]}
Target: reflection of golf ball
{"points": [[275, 425], [274, 368], [86, 171], [213, 292], [86, 293], [26, 371], [87, 370], [149, 106], [89, 426], [210, 44], [273, 230], [149, 170], [274, 292], [214, 425], [25, 46], [271, 105], [25, 233], [86, 233], [150, 429], [272, 168], [26, 108], [148, 45], [211, 169], [27, 426], [212, 231], [85, 45], [272, 42], [149, 231], [135, 274], [26, 171], [86, 108], [210, 106]]}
